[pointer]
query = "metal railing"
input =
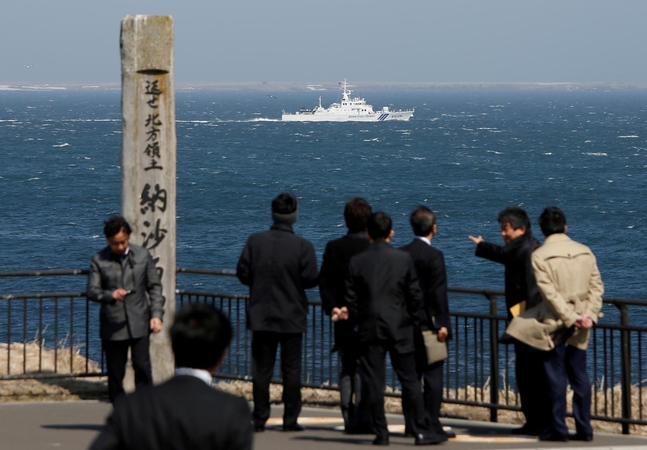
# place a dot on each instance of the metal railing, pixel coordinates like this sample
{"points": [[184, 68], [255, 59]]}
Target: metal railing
{"points": [[478, 371]]}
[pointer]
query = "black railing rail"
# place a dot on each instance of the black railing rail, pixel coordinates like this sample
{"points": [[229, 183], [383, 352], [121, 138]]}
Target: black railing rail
{"points": [[477, 373]]}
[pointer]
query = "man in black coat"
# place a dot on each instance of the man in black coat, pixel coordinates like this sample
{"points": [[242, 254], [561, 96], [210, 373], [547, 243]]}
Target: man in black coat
{"points": [[185, 412], [521, 293], [278, 266], [123, 278], [432, 276], [332, 287], [384, 298]]}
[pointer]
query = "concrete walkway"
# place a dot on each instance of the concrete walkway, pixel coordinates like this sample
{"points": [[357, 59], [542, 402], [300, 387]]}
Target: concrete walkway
{"points": [[73, 426]]}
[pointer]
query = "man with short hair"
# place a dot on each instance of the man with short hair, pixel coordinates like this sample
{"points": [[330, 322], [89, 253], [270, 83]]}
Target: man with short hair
{"points": [[432, 276], [384, 299], [184, 412], [278, 266], [123, 278], [521, 293], [571, 288], [332, 287]]}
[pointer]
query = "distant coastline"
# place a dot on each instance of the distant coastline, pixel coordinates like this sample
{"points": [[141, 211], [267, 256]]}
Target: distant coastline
{"points": [[333, 86]]}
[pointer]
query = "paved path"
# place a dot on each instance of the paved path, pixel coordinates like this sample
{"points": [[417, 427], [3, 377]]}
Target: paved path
{"points": [[73, 425]]}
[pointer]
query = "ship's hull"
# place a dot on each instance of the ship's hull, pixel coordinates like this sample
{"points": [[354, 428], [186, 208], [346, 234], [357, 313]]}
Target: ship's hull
{"points": [[327, 117]]}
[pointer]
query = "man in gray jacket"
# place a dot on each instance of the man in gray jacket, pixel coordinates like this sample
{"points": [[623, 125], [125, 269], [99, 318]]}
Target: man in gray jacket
{"points": [[124, 280]]}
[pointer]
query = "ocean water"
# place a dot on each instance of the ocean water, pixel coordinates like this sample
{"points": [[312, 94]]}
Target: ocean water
{"points": [[466, 154]]}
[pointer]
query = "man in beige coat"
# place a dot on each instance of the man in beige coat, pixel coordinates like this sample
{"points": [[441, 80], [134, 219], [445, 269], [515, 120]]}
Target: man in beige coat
{"points": [[571, 287]]}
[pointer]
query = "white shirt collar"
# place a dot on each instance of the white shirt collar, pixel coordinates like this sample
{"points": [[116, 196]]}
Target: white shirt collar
{"points": [[202, 374], [424, 239]]}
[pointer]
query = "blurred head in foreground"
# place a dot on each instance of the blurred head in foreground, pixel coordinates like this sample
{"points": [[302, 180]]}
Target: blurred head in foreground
{"points": [[200, 336]]}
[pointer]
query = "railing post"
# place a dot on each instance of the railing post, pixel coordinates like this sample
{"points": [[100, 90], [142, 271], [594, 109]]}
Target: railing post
{"points": [[494, 359], [625, 355]]}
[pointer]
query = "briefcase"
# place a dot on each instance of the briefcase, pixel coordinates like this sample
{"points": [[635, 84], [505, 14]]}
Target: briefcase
{"points": [[436, 350]]}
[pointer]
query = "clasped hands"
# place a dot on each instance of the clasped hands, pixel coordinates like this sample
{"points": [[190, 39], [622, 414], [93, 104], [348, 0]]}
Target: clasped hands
{"points": [[583, 321], [339, 314]]}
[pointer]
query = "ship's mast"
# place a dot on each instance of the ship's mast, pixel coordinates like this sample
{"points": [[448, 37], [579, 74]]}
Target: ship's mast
{"points": [[346, 92]]}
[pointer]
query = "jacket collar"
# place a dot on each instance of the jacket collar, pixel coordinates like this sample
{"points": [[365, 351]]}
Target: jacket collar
{"points": [[357, 235], [558, 237], [282, 227], [380, 245], [422, 239]]}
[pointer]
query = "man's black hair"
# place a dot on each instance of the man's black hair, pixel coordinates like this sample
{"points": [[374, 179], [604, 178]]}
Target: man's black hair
{"points": [[552, 221], [356, 213], [379, 226], [115, 225], [200, 335], [517, 217], [422, 221]]}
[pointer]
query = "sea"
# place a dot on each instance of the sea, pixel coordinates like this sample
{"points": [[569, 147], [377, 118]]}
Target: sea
{"points": [[466, 154]]}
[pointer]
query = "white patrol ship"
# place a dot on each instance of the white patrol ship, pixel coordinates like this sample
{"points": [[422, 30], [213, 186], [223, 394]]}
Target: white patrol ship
{"points": [[350, 109]]}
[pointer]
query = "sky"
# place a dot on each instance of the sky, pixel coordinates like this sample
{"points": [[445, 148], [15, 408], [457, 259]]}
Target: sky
{"points": [[498, 41]]}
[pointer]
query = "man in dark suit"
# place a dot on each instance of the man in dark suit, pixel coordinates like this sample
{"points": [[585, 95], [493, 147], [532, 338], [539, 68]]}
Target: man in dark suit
{"points": [[521, 293], [332, 287], [384, 298], [432, 276], [278, 266], [121, 276], [185, 412]]}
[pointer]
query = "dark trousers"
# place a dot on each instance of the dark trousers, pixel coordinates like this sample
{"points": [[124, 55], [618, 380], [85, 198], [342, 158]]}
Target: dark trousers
{"points": [[432, 375], [264, 347], [356, 415], [116, 358], [371, 363], [531, 382], [563, 363]]}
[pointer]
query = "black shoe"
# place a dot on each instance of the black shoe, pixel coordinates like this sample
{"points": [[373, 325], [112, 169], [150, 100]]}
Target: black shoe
{"points": [[525, 430], [381, 440], [553, 437], [581, 437], [429, 438], [449, 433], [259, 427], [293, 427]]}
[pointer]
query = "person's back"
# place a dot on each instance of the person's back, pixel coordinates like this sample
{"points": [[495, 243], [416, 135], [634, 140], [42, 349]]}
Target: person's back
{"points": [[278, 266], [184, 412], [432, 276], [332, 287], [383, 295], [387, 295]]}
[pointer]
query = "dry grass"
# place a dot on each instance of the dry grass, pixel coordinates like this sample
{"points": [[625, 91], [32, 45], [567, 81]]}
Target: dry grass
{"points": [[42, 360]]}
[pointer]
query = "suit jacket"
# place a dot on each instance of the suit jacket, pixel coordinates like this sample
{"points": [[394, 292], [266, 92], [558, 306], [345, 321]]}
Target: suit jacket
{"points": [[278, 266], [383, 294], [130, 318], [332, 278], [569, 280], [520, 281], [432, 277], [183, 413]]}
